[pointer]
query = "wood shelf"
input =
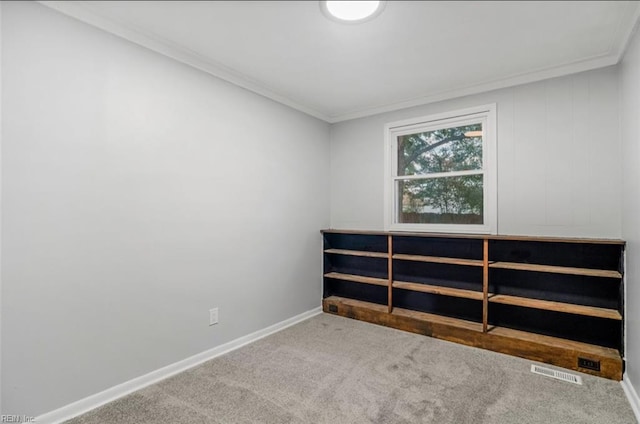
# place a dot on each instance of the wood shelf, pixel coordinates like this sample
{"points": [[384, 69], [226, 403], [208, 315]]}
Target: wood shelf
{"points": [[438, 260], [357, 253], [358, 278], [605, 273], [441, 290], [374, 307], [549, 239], [569, 308], [438, 319]]}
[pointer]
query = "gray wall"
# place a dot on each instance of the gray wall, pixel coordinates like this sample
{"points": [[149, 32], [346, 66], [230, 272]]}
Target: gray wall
{"points": [[630, 120], [558, 158], [137, 194]]}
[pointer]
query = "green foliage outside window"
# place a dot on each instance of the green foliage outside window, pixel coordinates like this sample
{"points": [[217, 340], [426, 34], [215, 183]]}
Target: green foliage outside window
{"points": [[440, 198]]}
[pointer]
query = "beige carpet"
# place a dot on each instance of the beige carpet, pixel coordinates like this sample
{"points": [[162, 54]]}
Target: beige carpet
{"points": [[340, 371]]}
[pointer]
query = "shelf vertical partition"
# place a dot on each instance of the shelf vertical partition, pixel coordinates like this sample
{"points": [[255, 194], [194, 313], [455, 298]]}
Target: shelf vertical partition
{"points": [[390, 271], [485, 284]]}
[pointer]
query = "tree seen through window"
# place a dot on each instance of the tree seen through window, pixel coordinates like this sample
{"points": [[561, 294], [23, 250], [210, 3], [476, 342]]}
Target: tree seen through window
{"points": [[431, 196]]}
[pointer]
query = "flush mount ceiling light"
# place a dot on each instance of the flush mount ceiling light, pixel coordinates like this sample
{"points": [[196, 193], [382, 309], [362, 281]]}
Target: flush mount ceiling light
{"points": [[351, 11]]}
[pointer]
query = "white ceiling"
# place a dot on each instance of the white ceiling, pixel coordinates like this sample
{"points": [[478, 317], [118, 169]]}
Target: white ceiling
{"points": [[415, 52]]}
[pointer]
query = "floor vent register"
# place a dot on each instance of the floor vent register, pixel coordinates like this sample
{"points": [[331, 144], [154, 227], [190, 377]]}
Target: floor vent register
{"points": [[559, 375]]}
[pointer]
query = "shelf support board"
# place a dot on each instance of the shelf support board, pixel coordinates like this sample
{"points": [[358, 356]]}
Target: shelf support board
{"points": [[390, 272], [485, 284]]}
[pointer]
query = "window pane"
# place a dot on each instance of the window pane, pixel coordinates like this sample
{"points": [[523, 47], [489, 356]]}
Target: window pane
{"points": [[446, 200], [443, 150]]}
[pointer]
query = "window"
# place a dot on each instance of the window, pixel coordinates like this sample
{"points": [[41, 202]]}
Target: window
{"points": [[441, 172]]}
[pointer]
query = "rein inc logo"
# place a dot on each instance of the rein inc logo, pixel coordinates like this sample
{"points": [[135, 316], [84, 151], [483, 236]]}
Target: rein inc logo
{"points": [[17, 419]]}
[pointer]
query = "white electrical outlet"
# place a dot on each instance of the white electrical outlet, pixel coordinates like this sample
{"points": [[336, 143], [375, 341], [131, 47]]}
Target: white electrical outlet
{"points": [[213, 316]]}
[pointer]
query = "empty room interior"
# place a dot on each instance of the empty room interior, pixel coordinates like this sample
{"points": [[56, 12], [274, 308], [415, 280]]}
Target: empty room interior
{"points": [[320, 212]]}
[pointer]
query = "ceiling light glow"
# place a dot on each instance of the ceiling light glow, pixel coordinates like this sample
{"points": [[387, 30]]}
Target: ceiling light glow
{"points": [[352, 11]]}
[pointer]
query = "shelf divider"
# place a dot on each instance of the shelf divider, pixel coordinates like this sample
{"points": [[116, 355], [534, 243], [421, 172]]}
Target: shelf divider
{"points": [[485, 284], [390, 272]]}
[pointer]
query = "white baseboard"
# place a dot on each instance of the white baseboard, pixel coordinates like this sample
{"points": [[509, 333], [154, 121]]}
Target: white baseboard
{"points": [[632, 395], [84, 405]]}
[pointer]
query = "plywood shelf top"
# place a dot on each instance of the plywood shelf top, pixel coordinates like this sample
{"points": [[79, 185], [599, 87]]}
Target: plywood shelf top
{"points": [[477, 236], [441, 290], [364, 253], [438, 259], [605, 273], [358, 278], [548, 305]]}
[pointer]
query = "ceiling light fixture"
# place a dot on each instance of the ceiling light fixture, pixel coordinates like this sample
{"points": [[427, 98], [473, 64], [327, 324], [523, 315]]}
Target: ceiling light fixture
{"points": [[351, 11]]}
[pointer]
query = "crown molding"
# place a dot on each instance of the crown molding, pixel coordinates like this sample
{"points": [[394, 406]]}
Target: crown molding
{"points": [[625, 33], [79, 10], [518, 79], [614, 55]]}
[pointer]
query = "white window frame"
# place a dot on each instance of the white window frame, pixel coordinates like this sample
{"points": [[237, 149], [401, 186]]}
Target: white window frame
{"points": [[485, 114]]}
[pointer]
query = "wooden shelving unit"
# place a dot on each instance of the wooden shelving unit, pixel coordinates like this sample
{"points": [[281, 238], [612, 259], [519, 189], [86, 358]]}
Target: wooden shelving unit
{"points": [[547, 299]]}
